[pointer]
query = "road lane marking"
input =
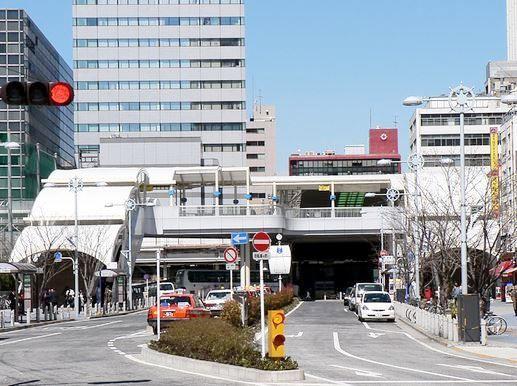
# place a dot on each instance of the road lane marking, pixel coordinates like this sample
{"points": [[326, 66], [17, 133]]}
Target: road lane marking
{"points": [[295, 308], [340, 350], [295, 336], [325, 379], [31, 338], [345, 309], [475, 369], [375, 334], [367, 326], [362, 373]]}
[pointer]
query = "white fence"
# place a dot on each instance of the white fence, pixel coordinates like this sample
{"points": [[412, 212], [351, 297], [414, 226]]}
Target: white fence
{"points": [[7, 318], [443, 326]]}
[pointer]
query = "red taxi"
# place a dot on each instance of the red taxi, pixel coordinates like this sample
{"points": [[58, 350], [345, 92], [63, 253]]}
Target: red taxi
{"points": [[176, 307]]}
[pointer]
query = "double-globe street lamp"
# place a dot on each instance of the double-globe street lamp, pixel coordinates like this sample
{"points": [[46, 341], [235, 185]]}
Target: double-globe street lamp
{"points": [[130, 205], [416, 163], [10, 146], [461, 100]]}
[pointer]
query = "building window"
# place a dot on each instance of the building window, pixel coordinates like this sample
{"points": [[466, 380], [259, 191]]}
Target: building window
{"points": [[257, 169], [255, 143], [224, 147], [162, 21], [255, 130]]}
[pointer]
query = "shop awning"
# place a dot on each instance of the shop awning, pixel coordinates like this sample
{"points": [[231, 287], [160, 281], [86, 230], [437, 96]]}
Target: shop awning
{"points": [[510, 271], [501, 267]]}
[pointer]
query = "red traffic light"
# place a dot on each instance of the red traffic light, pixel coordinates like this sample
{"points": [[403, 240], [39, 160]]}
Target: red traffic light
{"points": [[279, 340], [37, 93], [60, 93]]}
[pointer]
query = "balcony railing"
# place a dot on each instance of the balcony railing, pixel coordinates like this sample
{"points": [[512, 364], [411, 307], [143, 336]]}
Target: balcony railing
{"points": [[229, 210], [322, 212]]}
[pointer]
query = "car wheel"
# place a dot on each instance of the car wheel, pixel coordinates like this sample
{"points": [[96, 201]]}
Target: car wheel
{"points": [[391, 320], [360, 319]]}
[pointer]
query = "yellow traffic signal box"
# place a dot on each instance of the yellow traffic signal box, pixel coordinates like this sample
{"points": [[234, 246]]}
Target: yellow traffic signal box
{"points": [[276, 337]]}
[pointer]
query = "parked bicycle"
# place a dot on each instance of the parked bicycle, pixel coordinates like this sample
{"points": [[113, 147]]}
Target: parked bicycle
{"points": [[495, 325]]}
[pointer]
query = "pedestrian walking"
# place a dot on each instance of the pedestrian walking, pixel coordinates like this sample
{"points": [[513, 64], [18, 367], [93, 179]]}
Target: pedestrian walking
{"points": [[12, 300], [456, 290]]}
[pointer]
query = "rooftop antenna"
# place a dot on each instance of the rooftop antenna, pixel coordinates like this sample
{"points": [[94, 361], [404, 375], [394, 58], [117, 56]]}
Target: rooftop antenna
{"points": [[395, 122], [259, 98], [370, 118]]}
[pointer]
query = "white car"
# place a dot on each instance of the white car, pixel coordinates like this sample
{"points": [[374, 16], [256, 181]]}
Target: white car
{"points": [[215, 300], [375, 306], [359, 290]]}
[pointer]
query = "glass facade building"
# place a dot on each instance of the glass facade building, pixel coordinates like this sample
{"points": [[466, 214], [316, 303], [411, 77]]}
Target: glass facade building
{"points": [[45, 134]]}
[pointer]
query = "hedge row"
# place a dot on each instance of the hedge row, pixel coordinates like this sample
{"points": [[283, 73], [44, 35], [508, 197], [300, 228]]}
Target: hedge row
{"points": [[217, 341]]}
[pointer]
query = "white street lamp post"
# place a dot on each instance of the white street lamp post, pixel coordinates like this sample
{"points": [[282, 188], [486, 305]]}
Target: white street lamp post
{"points": [[415, 162], [130, 206], [76, 185], [461, 99]]}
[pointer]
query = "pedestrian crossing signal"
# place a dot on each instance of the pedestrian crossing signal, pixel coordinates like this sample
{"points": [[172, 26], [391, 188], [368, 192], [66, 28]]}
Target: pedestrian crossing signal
{"points": [[276, 337]]}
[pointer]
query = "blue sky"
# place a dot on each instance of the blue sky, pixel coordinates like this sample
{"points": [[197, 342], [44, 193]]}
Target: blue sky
{"points": [[326, 63]]}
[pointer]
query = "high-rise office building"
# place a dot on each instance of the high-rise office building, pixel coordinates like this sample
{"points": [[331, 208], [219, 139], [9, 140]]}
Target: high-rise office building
{"points": [[44, 133], [160, 82], [261, 145], [434, 131]]}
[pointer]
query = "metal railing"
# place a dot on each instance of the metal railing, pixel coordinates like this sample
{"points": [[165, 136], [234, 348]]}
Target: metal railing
{"points": [[323, 212], [229, 210], [443, 326]]}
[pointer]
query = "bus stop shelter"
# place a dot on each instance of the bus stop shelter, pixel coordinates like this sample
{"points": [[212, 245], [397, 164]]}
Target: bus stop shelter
{"points": [[26, 270]]}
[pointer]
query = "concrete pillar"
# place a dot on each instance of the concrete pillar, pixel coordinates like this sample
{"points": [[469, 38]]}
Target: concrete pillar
{"points": [[245, 265]]}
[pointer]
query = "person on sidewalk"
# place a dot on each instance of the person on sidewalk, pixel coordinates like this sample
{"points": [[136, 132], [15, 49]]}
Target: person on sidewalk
{"points": [[514, 298]]}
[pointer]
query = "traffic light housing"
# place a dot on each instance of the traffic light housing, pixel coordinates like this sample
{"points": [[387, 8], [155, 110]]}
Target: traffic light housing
{"points": [[37, 93], [276, 337]]}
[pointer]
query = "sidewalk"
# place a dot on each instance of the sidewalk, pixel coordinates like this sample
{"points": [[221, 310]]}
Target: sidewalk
{"points": [[502, 346]]}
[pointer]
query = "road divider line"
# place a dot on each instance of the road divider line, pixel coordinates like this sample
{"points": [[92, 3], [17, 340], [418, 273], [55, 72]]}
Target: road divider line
{"points": [[475, 369], [440, 381], [325, 379], [295, 308], [30, 338], [360, 372], [338, 348]]}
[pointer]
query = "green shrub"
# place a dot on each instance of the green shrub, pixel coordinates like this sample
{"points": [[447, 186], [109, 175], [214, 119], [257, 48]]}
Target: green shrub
{"points": [[231, 313], [217, 341]]}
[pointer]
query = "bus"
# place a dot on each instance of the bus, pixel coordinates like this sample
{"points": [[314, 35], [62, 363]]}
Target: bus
{"points": [[201, 281]]}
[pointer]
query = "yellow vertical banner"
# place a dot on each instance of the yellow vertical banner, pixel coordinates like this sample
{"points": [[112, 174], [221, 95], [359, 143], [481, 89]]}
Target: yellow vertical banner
{"points": [[494, 169]]}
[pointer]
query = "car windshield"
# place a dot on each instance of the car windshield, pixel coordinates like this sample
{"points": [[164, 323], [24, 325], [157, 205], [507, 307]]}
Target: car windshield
{"points": [[176, 301], [166, 287], [377, 298], [369, 287], [218, 296]]}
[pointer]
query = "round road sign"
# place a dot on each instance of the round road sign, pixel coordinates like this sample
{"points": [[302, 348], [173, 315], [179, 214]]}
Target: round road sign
{"points": [[230, 255], [261, 242]]}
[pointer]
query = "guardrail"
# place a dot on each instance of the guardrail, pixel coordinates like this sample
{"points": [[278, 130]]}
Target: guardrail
{"points": [[443, 326]]}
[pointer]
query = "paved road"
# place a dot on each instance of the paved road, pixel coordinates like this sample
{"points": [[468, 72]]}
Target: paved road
{"points": [[333, 347], [95, 352], [329, 343]]}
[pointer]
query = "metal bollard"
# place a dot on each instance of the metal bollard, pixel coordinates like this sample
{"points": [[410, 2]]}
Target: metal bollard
{"points": [[2, 322], [455, 332], [484, 335]]}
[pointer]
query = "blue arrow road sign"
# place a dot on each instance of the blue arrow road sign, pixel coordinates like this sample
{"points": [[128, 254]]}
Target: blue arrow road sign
{"points": [[58, 256], [240, 238]]}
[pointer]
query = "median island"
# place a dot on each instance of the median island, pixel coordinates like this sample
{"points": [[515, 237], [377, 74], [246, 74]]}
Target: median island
{"points": [[224, 340]]}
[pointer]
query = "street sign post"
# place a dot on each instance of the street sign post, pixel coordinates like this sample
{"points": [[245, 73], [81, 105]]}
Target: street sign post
{"points": [[240, 238], [231, 255], [261, 242], [58, 257]]}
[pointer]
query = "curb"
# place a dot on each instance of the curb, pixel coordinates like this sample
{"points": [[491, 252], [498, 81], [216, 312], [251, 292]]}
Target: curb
{"points": [[117, 314], [454, 346], [175, 362], [34, 324]]}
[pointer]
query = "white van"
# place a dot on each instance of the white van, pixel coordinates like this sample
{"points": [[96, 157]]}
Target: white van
{"points": [[359, 290]]}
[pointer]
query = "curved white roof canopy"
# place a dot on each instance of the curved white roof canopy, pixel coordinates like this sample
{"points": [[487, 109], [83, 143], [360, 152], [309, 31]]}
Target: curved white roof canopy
{"points": [[99, 241], [93, 203]]}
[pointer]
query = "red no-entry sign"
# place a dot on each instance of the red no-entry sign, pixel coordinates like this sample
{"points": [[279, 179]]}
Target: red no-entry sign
{"points": [[230, 255], [261, 242]]}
